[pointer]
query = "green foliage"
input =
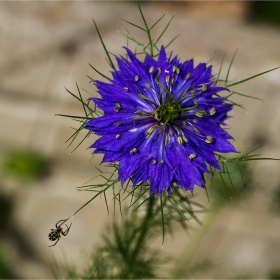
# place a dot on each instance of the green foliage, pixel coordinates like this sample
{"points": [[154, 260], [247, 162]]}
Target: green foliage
{"points": [[5, 263], [234, 180], [274, 273], [125, 252], [177, 207], [26, 164], [6, 207], [265, 11], [275, 200], [229, 185], [227, 85], [150, 45]]}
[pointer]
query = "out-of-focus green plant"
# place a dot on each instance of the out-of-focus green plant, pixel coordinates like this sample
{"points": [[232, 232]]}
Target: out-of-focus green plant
{"points": [[230, 184], [274, 273], [275, 198], [265, 11], [5, 263], [6, 206], [26, 164], [125, 251]]}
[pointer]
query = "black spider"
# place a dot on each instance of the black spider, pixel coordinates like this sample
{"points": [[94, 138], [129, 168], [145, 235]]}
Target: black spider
{"points": [[55, 234]]}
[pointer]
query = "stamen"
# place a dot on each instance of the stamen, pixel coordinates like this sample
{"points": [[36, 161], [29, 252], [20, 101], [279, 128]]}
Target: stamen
{"points": [[167, 79], [118, 136], [184, 123], [166, 139], [185, 139], [143, 114], [117, 107], [198, 114], [157, 117], [204, 87], [147, 85], [136, 78], [117, 123], [136, 117], [188, 76], [133, 151], [195, 121], [172, 81], [143, 96], [191, 156], [195, 129], [212, 111], [209, 139], [202, 112], [151, 129], [154, 161], [161, 161], [151, 70], [125, 88], [179, 138]]}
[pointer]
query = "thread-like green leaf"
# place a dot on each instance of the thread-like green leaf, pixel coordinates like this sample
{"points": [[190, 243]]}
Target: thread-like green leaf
{"points": [[228, 71], [252, 77], [104, 46]]}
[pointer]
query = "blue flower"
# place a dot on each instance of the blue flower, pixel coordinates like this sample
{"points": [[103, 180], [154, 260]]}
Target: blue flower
{"points": [[162, 121]]}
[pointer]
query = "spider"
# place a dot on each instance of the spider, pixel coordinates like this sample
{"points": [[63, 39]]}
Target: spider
{"points": [[55, 234]]}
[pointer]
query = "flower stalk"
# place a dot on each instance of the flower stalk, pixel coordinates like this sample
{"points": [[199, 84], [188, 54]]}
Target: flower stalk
{"points": [[144, 227]]}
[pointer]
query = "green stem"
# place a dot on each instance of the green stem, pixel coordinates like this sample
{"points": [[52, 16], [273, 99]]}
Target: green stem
{"points": [[139, 235], [144, 228], [148, 31]]}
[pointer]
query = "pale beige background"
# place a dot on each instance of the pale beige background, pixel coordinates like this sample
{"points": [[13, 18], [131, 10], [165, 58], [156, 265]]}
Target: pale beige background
{"points": [[45, 46]]}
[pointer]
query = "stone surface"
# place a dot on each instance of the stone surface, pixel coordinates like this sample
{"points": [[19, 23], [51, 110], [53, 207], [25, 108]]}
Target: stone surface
{"points": [[48, 45]]}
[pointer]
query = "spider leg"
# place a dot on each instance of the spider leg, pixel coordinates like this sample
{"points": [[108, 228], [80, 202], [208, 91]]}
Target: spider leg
{"points": [[55, 242], [66, 231], [61, 222]]}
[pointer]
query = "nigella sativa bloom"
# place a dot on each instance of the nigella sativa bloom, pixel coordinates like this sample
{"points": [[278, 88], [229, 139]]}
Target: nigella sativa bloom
{"points": [[162, 121]]}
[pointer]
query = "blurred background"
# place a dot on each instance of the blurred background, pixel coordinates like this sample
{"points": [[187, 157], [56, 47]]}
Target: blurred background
{"points": [[45, 46]]}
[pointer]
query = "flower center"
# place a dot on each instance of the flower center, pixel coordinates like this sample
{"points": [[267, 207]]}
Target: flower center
{"points": [[166, 113]]}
